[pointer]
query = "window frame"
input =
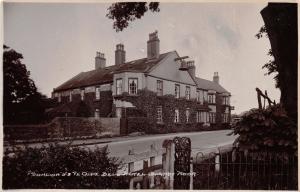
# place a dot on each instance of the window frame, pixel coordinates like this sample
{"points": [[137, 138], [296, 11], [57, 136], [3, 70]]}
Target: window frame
{"points": [[177, 93], [187, 115], [211, 98], [188, 92], [97, 111], [159, 87], [212, 117], [137, 81], [176, 117], [119, 90], [97, 93], [82, 94], [159, 114]]}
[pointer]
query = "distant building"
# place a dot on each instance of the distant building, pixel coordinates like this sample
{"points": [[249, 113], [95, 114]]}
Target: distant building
{"points": [[161, 89]]}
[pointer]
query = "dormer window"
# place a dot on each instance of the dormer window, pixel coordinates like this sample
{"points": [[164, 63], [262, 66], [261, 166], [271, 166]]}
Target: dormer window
{"points": [[132, 86]]}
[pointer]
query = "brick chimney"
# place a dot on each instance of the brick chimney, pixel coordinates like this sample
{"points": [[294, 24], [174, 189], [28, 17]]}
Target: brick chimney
{"points": [[216, 78], [119, 54], [153, 46], [191, 68], [100, 61]]}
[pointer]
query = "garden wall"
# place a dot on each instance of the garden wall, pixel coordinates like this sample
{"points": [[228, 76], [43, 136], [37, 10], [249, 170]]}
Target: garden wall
{"points": [[61, 127]]}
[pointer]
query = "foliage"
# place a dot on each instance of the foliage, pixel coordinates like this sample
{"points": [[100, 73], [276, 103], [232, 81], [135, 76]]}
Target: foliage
{"points": [[281, 28], [21, 98], [271, 65], [19, 169], [123, 13], [266, 130]]}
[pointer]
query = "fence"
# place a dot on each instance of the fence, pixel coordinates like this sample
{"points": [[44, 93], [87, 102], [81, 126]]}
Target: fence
{"points": [[220, 167], [235, 170]]}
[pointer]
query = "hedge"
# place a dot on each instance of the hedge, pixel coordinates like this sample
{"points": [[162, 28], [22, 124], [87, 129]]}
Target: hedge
{"points": [[61, 167]]}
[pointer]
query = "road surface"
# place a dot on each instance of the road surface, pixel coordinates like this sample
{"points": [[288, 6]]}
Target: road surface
{"points": [[119, 146], [199, 140]]}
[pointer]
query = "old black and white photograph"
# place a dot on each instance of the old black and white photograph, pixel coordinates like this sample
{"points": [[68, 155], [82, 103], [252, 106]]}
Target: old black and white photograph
{"points": [[150, 95]]}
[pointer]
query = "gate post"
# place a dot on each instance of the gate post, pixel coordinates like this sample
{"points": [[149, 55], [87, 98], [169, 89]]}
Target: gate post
{"points": [[182, 162], [168, 164]]}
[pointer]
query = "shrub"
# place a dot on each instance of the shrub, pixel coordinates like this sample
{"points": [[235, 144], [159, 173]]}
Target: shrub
{"points": [[266, 130], [62, 161]]}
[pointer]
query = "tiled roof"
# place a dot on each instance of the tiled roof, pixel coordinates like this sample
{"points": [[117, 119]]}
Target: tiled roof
{"points": [[102, 76], [209, 85]]}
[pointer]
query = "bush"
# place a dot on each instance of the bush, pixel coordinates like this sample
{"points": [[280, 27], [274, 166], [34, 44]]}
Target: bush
{"points": [[266, 130], [68, 166]]}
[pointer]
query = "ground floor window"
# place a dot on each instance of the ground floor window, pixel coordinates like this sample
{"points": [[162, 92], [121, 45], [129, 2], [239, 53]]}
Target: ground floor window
{"points": [[225, 118], [212, 117], [201, 116], [187, 115], [97, 113], [176, 119], [118, 112], [159, 114]]}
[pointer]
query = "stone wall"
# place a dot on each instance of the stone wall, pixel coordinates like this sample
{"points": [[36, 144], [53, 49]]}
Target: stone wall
{"points": [[64, 127]]}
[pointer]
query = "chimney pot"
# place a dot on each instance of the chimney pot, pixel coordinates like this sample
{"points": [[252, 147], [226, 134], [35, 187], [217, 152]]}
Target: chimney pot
{"points": [[191, 68], [216, 78], [100, 61], [153, 46], [120, 54]]}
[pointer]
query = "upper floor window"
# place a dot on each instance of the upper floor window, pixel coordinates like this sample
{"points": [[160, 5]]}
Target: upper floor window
{"points": [[187, 115], [176, 119], [97, 93], [82, 94], [211, 98], [198, 95], [226, 100], [132, 86], [119, 84], [177, 91], [204, 96], [59, 97], [188, 93], [159, 87], [159, 114]]}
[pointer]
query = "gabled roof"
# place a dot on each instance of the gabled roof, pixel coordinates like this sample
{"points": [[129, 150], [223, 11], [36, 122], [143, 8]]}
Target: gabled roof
{"points": [[105, 75], [209, 85]]}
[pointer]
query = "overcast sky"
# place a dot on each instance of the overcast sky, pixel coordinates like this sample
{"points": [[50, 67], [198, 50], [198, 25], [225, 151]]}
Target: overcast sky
{"points": [[60, 40]]}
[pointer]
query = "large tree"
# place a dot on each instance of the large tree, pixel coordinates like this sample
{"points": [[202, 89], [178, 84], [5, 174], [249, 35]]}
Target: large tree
{"points": [[281, 29], [123, 13], [22, 103]]}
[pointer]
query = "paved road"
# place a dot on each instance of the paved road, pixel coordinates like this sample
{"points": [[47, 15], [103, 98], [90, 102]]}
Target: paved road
{"points": [[200, 140]]}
